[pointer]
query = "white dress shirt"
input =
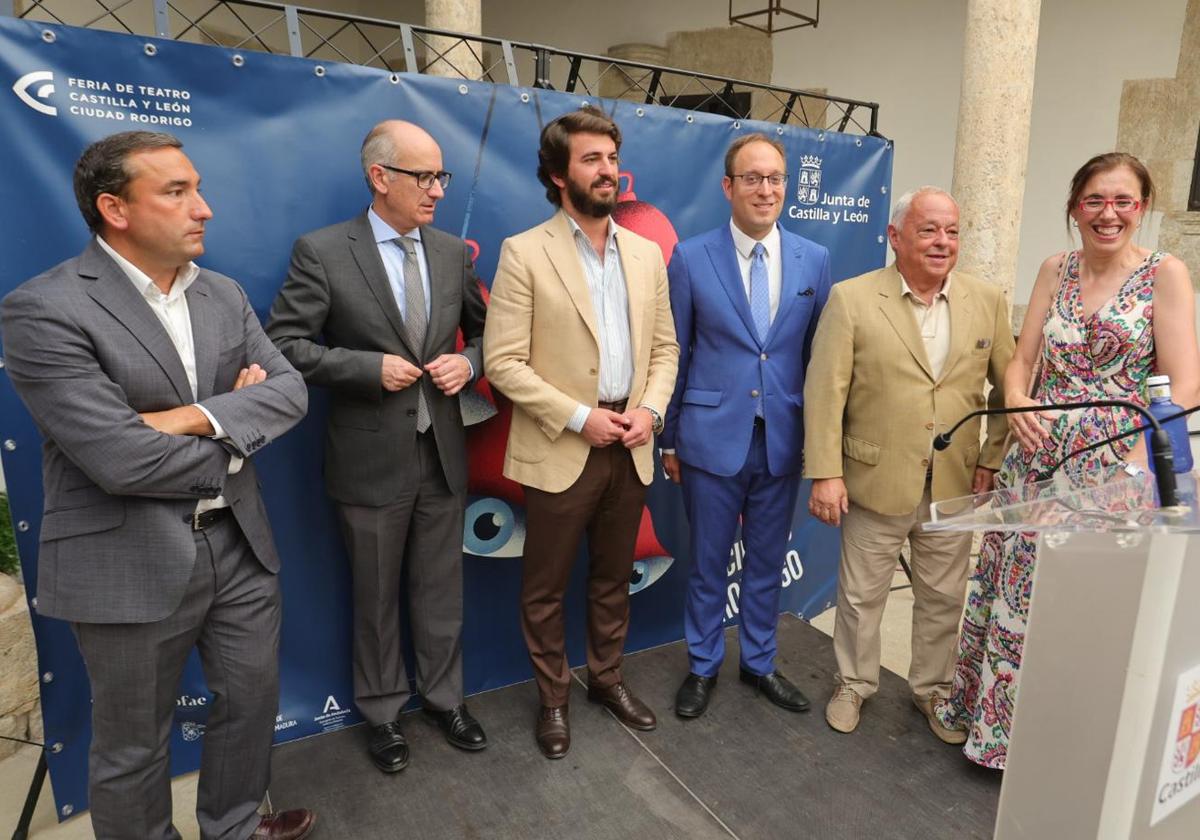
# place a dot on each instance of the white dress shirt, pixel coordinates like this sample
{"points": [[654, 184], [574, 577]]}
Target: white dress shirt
{"points": [[744, 245], [172, 312], [610, 301]]}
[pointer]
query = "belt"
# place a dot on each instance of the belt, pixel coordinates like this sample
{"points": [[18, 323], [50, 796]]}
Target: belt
{"points": [[200, 521], [619, 406]]}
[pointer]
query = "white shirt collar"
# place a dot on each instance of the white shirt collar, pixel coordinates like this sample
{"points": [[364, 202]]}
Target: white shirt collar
{"points": [[184, 277], [576, 229], [384, 232], [744, 243]]}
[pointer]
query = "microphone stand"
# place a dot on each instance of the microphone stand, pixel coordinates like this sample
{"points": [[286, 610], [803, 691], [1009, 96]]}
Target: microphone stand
{"points": [[1160, 442]]}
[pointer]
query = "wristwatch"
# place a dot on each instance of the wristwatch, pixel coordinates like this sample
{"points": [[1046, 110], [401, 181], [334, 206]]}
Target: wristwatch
{"points": [[657, 425]]}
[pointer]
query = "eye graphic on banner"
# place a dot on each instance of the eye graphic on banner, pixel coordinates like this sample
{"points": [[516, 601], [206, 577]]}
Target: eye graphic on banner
{"points": [[21, 89]]}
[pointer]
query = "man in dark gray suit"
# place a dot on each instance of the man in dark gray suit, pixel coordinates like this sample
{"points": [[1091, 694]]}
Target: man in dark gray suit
{"points": [[153, 385], [371, 309]]}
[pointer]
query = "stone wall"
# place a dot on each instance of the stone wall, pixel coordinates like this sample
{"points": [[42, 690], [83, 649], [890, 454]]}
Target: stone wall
{"points": [[20, 709], [1160, 119]]}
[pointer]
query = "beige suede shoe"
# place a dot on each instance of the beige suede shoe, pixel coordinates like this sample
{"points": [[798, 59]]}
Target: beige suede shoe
{"points": [[944, 733], [842, 711]]}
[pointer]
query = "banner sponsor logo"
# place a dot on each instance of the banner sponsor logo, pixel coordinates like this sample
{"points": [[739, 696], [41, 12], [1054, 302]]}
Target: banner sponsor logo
{"points": [[191, 730], [282, 723], [332, 716], [187, 701], [44, 81], [1179, 775], [808, 180]]}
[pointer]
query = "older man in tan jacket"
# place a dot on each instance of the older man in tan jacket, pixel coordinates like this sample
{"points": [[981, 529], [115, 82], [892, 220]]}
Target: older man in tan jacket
{"points": [[900, 355], [580, 337]]}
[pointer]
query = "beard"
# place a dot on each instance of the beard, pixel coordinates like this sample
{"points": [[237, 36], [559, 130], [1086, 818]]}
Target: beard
{"points": [[583, 200]]}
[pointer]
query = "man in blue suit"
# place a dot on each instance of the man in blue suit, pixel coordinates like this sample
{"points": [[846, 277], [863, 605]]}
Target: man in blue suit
{"points": [[745, 298]]}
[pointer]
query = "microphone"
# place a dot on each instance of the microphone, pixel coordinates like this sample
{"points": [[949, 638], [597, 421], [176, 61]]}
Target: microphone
{"points": [[1160, 442], [1135, 430]]}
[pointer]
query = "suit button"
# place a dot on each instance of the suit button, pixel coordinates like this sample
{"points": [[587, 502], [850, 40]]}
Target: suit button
{"points": [[592, 371], [929, 426], [924, 462], [763, 357], [754, 393], [412, 412], [937, 387]]}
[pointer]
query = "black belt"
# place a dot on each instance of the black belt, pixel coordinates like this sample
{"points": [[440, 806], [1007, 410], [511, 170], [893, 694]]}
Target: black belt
{"points": [[619, 406], [200, 521], [760, 422]]}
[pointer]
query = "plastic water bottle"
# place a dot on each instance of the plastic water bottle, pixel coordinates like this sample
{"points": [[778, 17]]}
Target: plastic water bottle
{"points": [[1162, 407]]}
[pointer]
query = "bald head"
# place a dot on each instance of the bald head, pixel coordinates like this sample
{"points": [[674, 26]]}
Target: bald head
{"points": [[396, 143]]}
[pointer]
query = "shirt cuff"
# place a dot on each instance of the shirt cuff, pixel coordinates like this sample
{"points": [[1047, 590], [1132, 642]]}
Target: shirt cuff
{"points": [[575, 424], [470, 367], [218, 432], [666, 451]]}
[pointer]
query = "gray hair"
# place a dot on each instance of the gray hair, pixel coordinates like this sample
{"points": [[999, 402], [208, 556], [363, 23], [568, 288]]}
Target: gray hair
{"points": [[378, 147], [904, 202], [101, 168]]}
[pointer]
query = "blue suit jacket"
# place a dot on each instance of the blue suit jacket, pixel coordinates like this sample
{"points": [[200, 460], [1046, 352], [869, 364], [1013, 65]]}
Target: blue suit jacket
{"points": [[721, 361]]}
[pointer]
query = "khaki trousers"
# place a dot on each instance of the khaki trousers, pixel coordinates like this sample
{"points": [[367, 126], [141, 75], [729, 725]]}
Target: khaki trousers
{"points": [[870, 547]]}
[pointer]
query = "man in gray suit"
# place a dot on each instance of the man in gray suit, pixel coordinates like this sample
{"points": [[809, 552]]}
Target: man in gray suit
{"points": [[153, 384], [370, 310]]}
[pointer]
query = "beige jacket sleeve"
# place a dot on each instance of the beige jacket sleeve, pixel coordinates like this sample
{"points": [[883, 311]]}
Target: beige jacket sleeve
{"points": [[826, 386]]}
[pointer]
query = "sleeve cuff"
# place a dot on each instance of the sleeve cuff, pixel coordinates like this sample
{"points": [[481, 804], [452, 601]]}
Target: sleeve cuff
{"points": [[575, 424], [218, 431], [470, 367]]}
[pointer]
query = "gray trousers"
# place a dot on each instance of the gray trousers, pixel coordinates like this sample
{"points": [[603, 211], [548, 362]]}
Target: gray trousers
{"points": [[419, 536], [231, 612]]}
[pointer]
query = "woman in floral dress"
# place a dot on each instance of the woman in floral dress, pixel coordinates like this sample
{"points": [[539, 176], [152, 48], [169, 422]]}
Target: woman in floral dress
{"points": [[1102, 319]]}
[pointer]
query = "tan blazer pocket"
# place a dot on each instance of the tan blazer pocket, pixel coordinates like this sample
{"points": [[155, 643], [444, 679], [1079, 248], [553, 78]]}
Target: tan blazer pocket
{"points": [[530, 446], [862, 451]]}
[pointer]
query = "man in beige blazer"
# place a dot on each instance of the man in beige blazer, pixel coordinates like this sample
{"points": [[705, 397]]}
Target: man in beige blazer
{"points": [[899, 356], [580, 337]]}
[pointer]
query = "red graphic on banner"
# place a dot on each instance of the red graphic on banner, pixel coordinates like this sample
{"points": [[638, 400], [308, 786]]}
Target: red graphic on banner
{"points": [[644, 219]]}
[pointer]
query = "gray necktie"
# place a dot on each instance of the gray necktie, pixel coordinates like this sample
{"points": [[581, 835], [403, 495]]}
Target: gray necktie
{"points": [[415, 319]]}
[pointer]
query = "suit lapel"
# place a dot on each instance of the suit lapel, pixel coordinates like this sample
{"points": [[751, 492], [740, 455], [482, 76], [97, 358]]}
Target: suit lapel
{"points": [[114, 291], [960, 325], [792, 269], [723, 255], [560, 249], [205, 336], [896, 309], [634, 270], [366, 255]]}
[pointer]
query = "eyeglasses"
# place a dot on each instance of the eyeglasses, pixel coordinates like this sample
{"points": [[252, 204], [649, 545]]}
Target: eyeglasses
{"points": [[1095, 204], [424, 179], [753, 179]]}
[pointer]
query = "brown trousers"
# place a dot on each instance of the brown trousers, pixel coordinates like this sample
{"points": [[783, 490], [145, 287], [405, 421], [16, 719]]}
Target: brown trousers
{"points": [[606, 501]]}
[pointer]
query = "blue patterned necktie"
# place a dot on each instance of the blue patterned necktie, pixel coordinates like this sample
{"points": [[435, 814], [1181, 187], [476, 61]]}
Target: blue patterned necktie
{"points": [[760, 294]]}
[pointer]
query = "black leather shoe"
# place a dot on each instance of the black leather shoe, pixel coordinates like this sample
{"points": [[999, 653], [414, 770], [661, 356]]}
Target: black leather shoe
{"points": [[553, 731], [692, 698], [460, 729], [776, 688], [388, 748]]}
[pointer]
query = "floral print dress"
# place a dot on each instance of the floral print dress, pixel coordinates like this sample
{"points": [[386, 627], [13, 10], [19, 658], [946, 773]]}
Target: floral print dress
{"points": [[1106, 355]]}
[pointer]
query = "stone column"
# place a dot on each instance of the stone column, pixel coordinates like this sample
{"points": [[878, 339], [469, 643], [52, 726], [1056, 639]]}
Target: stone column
{"points": [[992, 147], [460, 60]]}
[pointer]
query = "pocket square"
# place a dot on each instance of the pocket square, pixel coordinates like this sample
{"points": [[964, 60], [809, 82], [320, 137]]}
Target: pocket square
{"points": [[983, 343], [807, 292]]}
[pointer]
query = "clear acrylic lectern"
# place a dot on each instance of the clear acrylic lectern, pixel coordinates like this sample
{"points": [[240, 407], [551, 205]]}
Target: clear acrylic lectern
{"points": [[1099, 746]]}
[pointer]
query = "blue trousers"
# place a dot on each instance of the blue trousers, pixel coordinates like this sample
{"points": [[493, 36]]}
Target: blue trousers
{"points": [[714, 503]]}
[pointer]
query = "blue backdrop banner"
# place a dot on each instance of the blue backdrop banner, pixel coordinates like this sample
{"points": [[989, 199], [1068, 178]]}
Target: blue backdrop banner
{"points": [[276, 140]]}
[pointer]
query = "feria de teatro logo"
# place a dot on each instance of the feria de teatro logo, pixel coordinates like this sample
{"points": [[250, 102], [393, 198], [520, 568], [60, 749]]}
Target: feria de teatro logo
{"points": [[41, 83]]}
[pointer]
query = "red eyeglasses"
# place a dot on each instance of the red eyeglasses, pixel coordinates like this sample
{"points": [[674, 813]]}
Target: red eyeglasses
{"points": [[1123, 204]]}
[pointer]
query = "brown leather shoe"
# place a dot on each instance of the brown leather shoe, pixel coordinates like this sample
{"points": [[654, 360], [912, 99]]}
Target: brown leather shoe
{"points": [[553, 731], [628, 709], [285, 825]]}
